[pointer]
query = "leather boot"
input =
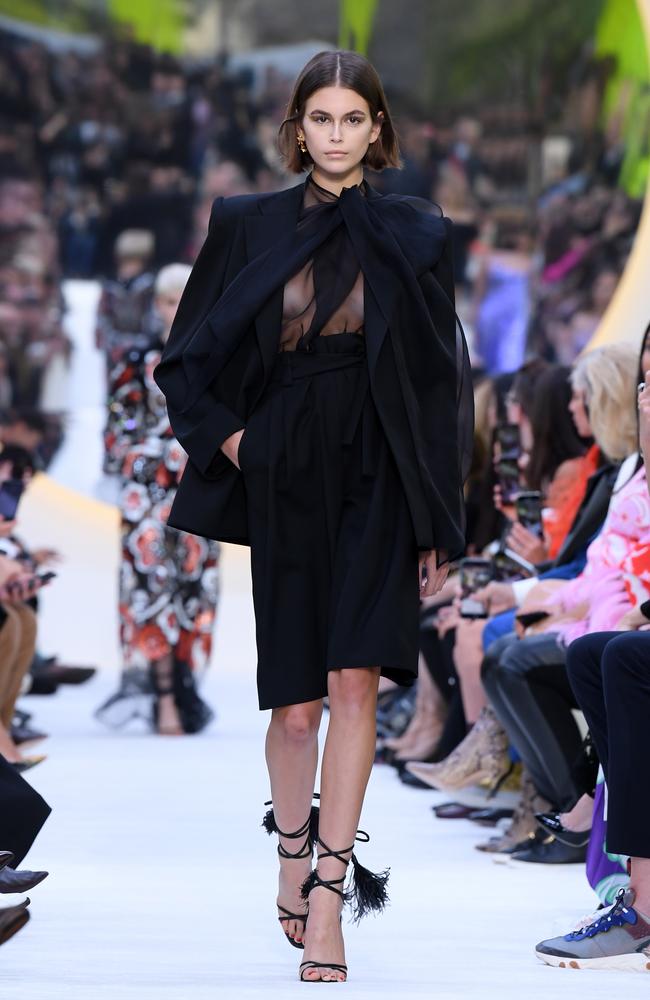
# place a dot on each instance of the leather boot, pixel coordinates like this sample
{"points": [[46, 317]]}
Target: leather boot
{"points": [[482, 756], [523, 824]]}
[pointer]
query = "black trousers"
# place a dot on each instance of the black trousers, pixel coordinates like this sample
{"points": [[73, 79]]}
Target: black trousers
{"points": [[610, 674], [527, 684], [22, 812]]}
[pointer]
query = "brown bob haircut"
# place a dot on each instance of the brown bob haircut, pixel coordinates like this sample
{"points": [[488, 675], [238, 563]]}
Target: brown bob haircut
{"points": [[339, 69]]}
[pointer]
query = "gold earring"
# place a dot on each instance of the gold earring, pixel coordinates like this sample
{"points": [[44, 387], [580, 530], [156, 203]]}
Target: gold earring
{"points": [[301, 143]]}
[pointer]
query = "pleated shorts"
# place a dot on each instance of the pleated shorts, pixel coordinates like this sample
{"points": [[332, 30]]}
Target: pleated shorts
{"points": [[334, 559]]}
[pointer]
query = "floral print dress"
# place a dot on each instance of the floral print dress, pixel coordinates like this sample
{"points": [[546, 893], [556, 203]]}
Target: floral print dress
{"points": [[169, 579]]}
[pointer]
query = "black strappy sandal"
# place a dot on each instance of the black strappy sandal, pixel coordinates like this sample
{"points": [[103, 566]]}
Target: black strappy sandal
{"points": [[308, 830], [367, 891]]}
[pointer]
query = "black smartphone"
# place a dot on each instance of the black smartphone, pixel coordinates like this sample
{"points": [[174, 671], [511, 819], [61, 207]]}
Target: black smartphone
{"points": [[528, 506], [10, 493], [34, 582], [507, 471], [471, 608], [509, 440], [474, 574], [508, 565], [531, 617]]}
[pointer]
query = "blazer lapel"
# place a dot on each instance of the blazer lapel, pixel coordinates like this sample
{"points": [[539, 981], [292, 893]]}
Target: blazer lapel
{"points": [[276, 215]]}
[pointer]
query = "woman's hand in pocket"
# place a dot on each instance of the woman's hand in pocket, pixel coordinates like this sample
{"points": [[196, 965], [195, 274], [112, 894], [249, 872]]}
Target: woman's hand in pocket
{"points": [[230, 446]]}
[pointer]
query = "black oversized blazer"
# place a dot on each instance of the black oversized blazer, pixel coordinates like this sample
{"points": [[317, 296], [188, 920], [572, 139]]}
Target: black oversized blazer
{"points": [[211, 500]]}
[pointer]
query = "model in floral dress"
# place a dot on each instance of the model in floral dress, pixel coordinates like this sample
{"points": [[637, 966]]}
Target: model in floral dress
{"points": [[169, 579]]}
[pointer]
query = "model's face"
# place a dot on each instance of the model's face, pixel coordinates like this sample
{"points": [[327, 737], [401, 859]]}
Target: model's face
{"points": [[338, 128]]}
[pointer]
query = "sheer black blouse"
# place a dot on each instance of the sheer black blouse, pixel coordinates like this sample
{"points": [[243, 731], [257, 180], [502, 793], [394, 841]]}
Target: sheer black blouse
{"points": [[326, 295]]}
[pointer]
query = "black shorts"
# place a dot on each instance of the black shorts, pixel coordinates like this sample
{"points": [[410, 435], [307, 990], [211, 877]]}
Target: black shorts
{"points": [[334, 558]]}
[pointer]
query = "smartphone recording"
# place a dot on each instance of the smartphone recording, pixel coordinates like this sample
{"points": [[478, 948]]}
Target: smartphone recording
{"points": [[528, 506], [509, 440], [474, 575], [507, 473]]}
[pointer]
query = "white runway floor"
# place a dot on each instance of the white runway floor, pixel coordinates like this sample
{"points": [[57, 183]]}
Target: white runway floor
{"points": [[163, 883]]}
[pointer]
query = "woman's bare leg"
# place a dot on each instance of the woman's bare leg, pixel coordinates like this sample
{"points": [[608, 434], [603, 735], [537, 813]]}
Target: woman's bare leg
{"points": [[8, 748], [640, 882], [579, 819], [169, 722], [292, 759], [347, 762], [19, 664], [468, 657], [425, 729]]}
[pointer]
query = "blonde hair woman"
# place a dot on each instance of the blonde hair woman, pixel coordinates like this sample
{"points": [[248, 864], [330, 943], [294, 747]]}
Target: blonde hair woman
{"points": [[605, 379]]}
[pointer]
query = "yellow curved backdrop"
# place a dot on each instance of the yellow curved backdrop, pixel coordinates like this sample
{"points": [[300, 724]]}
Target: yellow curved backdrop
{"points": [[629, 311]]}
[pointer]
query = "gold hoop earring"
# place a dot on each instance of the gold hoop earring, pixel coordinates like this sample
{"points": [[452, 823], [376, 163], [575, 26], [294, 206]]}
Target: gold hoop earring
{"points": [[301, 143]]}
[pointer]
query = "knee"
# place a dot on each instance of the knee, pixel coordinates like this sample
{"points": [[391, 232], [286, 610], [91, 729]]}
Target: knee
{"points": [[352, 688], [298, 723], [28, 625], [625, 661], [491, 665], [512, 665], [497, 627], [583, 660]]}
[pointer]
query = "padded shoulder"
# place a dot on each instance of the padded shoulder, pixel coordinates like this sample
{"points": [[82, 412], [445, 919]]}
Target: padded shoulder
{"points": [[227, 209], [421, 205], [242, 204]]}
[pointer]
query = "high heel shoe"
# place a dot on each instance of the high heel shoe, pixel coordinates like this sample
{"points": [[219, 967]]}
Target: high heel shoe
{"points": [[12, 918], [308, 830], [482, 756], [28, 762], [367, 891], [553, 824], [19, 881]]}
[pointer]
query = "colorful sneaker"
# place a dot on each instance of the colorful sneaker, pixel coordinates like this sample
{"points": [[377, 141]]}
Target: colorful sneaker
{"points": [[619, 939]]}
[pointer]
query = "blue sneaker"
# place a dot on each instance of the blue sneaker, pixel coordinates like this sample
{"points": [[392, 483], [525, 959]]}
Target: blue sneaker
{"points": [[619, 939]]}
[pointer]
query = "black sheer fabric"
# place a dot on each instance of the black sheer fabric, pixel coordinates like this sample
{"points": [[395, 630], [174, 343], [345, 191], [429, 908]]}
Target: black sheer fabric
{"points": [[326, 295]]}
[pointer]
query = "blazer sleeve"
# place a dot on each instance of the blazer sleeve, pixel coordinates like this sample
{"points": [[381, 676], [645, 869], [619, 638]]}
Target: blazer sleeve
{"points": [[201, 429], [456, 409]]}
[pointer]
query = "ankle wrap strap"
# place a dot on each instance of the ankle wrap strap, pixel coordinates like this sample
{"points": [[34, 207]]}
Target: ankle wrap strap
{"points": [[307, 830], [332, 882], [367, 890], [314, 878]]}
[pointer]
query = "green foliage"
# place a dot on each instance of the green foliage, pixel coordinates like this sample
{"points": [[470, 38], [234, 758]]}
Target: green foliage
{"points": [[355, 24], [65, 15], [502, 51]]}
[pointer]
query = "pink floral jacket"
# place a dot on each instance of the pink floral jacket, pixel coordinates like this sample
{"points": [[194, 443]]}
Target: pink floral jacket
{"points": [[617, 574]]}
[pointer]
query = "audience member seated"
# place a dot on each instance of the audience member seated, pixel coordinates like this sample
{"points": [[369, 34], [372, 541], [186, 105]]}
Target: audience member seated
{"points": [[610, 675]]}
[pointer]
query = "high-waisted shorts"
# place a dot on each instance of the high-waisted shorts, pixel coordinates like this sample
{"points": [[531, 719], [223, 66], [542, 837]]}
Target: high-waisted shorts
{"points": [[334, 559]]}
